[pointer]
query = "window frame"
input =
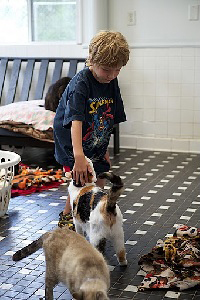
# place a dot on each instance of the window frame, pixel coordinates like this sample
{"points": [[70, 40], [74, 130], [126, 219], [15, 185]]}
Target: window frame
{"points": [[92, 16], [79, 25]]}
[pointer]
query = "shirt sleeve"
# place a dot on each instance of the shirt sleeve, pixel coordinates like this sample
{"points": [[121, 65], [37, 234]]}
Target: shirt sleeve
{"points": [[75, 105], [120, 115]]}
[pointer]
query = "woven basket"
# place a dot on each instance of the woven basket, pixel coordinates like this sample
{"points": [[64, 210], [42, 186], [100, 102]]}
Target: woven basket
{"points": [[7, 162]]}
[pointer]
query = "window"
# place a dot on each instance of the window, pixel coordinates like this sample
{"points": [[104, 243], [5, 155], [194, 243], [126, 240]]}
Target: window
{"points": [[38, 20], [13, 21], [53, 20]]}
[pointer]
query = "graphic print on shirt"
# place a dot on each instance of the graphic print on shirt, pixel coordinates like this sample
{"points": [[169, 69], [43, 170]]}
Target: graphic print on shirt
{"points": [[98, 132]]}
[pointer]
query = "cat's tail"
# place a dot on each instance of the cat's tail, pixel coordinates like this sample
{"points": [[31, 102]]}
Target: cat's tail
{"points": [[115, 190], [29, 249]]}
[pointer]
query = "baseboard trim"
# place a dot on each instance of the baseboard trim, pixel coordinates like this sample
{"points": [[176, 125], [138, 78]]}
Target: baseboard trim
{"points": [[159, 144]]}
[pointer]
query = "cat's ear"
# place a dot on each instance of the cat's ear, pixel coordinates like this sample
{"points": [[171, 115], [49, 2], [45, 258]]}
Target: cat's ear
{"points": [[78, 295], [68, 175], [101, 296]]}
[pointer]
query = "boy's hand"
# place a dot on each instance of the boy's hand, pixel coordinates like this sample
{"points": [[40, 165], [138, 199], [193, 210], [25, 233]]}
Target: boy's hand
{"points": [[80, 170]]}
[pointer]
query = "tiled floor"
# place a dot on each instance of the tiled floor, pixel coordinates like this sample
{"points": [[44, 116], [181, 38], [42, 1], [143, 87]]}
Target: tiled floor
{"points": [[161, 189]]}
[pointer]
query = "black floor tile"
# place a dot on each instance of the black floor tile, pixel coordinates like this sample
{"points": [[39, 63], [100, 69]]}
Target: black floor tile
{"points": [[159, 188]]}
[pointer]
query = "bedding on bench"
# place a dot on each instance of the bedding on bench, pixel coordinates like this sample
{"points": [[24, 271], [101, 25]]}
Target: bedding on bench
{"points": [[29, 118]]}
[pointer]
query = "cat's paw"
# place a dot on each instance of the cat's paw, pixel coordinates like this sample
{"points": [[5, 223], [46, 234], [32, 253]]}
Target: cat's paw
{"points": [[123, 263]]}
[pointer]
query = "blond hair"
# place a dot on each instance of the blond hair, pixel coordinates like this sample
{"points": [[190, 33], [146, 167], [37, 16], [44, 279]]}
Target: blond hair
{"points": [[108, 48]]}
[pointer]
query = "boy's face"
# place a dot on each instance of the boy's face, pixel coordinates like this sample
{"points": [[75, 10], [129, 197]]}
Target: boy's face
{"points": [[104, 74]]}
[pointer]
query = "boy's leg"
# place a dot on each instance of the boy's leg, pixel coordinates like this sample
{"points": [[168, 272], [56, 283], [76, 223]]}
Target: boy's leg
{"points": [[65, 217], [67, 209]]}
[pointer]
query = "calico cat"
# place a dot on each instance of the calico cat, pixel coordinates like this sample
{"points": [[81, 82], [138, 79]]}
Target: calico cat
{"points": [[72, 260], [55, 92], [97, 214]]}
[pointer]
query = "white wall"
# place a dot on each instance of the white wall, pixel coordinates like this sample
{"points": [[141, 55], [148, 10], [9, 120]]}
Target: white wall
{"points": [[161, 83], [161, 92], [158, 22]]}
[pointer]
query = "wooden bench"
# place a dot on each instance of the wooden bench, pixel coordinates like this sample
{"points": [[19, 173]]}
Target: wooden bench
{"points": [[28, 78]]}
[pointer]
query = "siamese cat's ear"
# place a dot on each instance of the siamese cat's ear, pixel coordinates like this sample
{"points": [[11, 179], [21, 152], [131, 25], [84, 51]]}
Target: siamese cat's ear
{"points": [[78, 295], [101, 296]]}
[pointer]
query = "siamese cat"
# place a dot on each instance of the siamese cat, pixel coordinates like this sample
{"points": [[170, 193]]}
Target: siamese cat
{"points": [[72, 260]]}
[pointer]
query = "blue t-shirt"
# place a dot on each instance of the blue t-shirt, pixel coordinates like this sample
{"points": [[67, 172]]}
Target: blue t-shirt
{"points": [[99, 106]]}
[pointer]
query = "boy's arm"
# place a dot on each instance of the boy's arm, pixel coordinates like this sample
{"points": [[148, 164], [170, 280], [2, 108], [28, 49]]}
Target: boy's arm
{"points": [[81, 166]]}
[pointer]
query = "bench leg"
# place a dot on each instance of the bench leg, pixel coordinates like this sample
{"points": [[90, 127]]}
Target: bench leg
{"points": [[116, 139]]}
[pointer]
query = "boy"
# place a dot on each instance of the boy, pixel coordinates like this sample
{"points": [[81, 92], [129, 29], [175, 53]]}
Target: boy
{"points": [[89, 107]]}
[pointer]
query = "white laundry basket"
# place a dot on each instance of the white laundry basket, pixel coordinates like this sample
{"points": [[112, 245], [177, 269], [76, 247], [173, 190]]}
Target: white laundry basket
{"points": [[7, 162]]}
